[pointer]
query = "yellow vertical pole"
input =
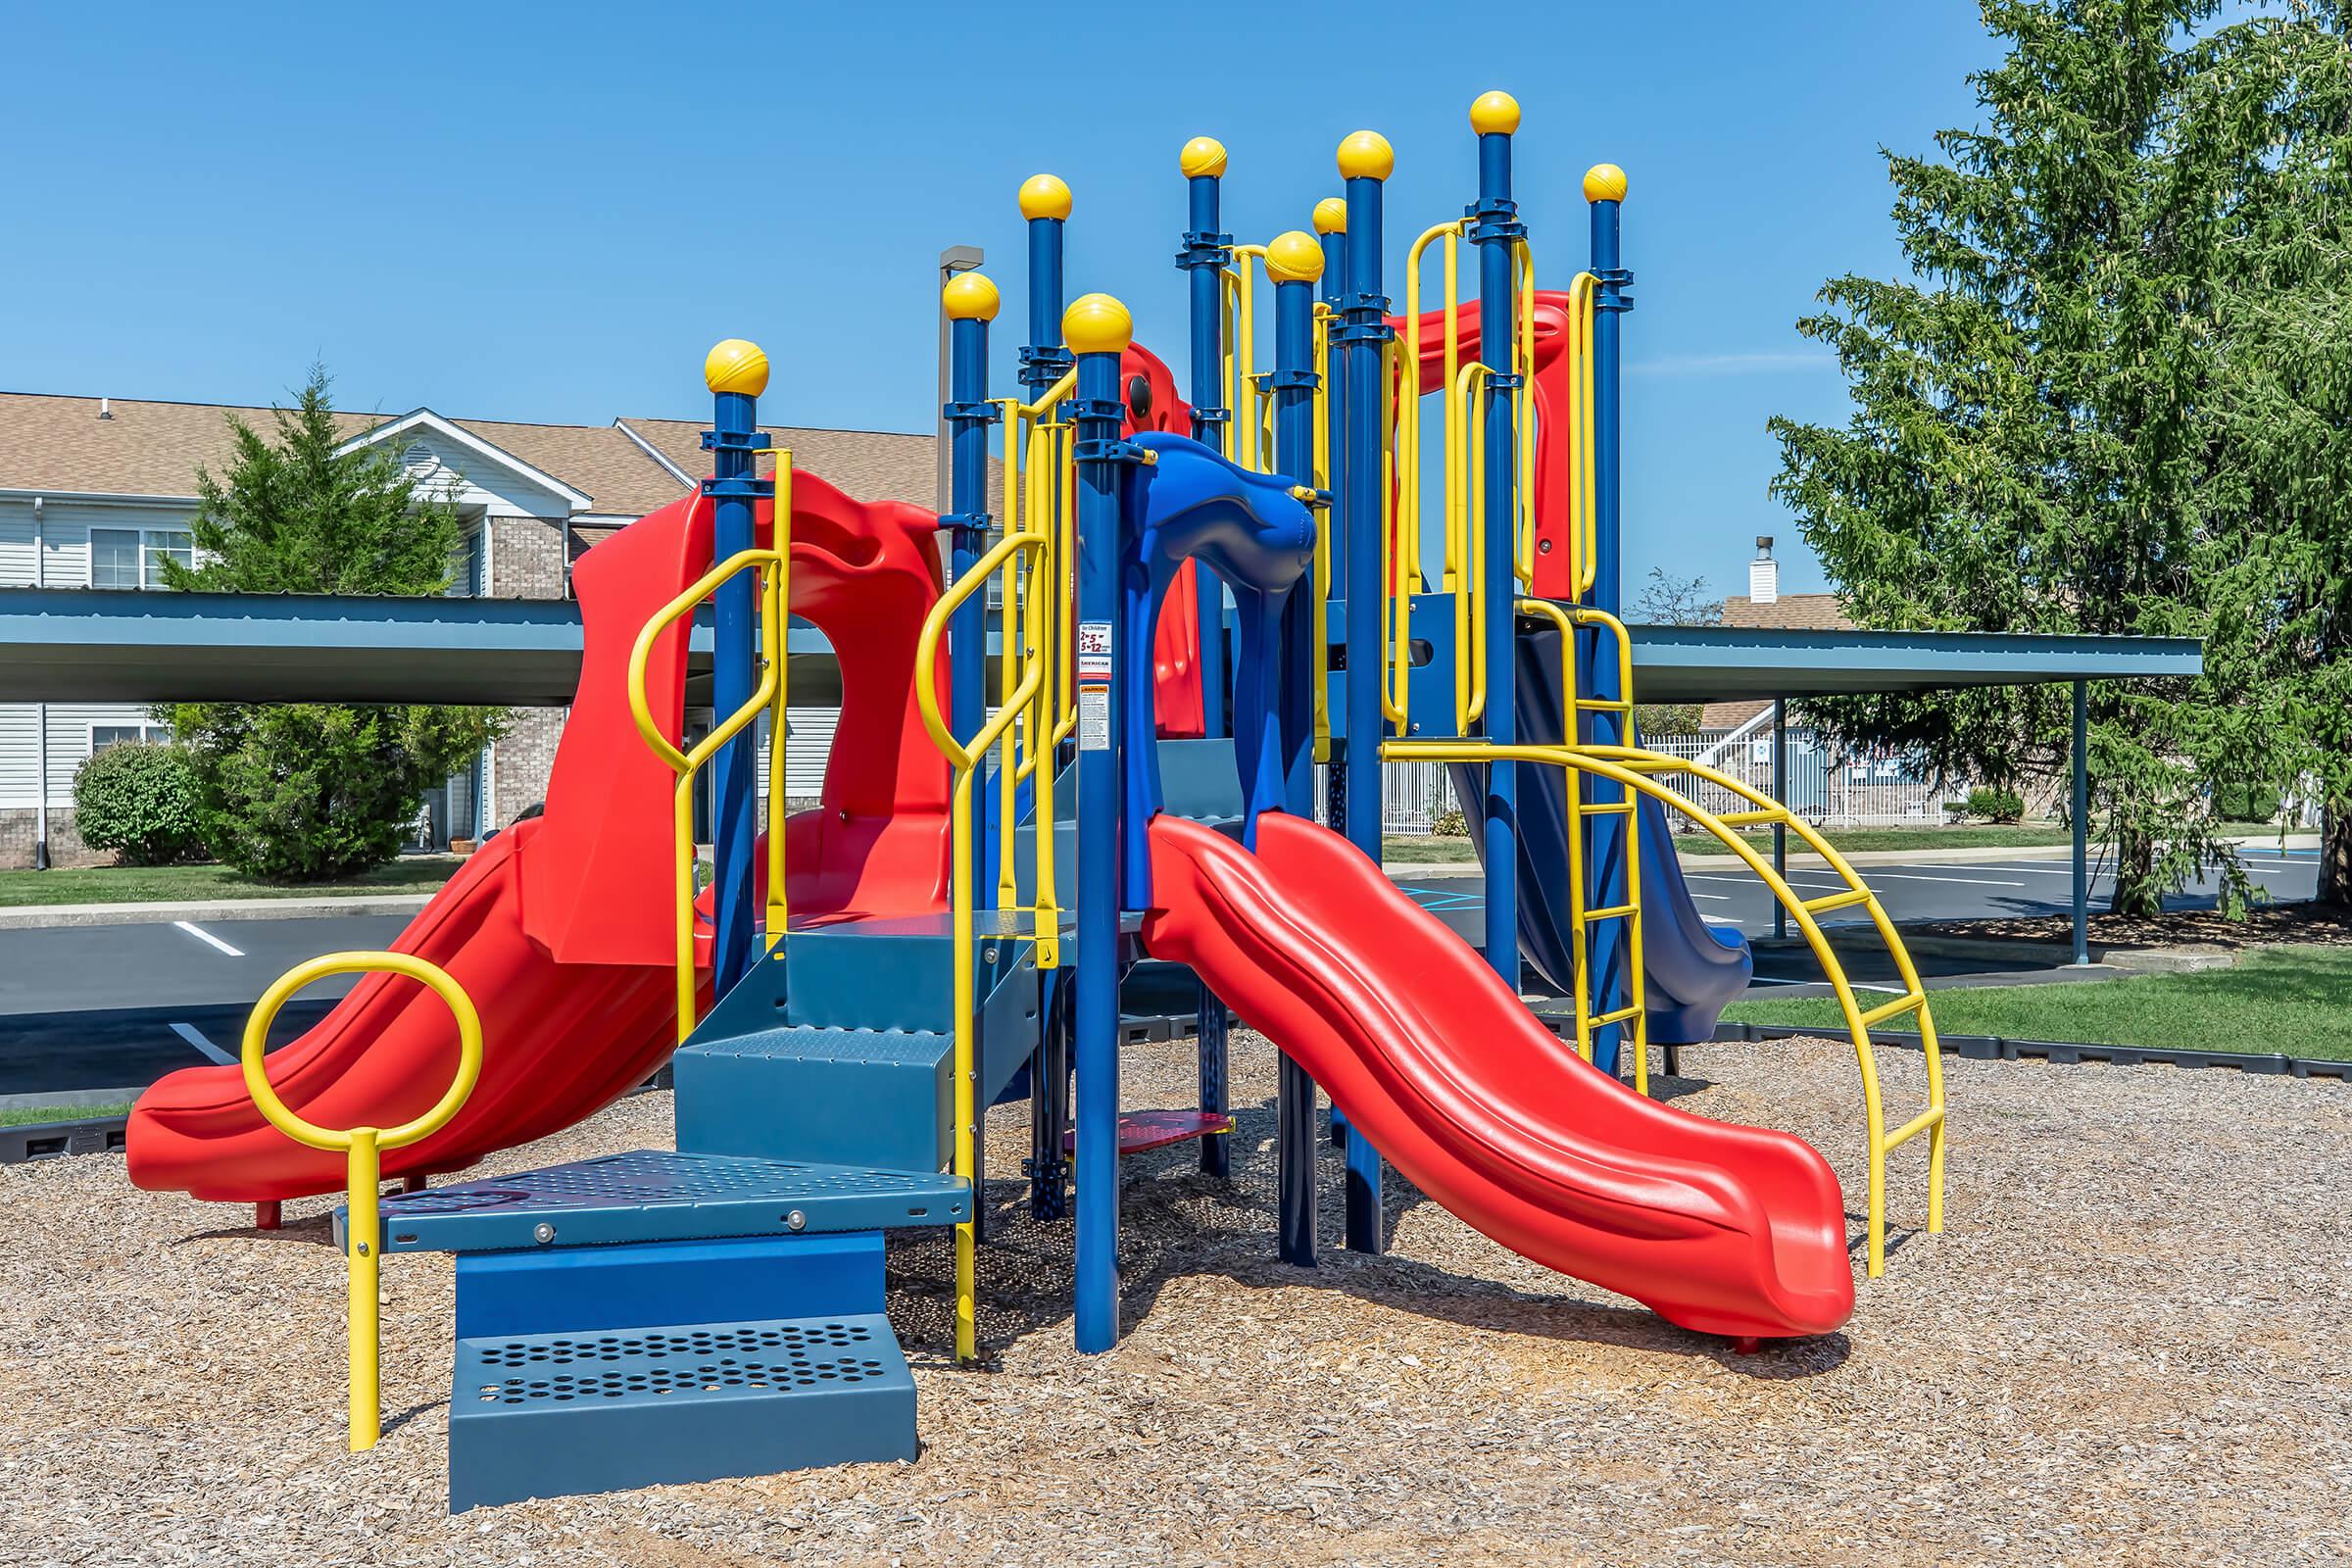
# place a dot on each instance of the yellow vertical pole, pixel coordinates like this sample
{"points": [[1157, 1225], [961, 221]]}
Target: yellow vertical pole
{"points": [[363, 1171], [779, 628]]}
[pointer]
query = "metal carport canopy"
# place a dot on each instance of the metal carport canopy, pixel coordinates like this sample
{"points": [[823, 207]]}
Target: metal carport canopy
{"points": [[79, 645]]}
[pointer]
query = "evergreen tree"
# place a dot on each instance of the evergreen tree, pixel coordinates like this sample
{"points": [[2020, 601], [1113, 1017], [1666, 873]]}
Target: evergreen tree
{"points": [[2040, 439], [304, 791]]}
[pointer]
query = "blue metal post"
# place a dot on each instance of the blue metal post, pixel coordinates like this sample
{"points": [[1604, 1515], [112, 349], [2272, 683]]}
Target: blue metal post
{"points": [[1044, 203], [971, 302], [1295, 262], [2080, 821], [1604, 188], [1496, 231], [1331, 226], [1098, 328], [1365, 162], [736, 373], [1206, 253]]}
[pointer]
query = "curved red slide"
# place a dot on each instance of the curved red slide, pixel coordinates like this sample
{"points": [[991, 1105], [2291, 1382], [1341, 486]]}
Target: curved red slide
{"points": [[1719, 1228], [560, 928]]}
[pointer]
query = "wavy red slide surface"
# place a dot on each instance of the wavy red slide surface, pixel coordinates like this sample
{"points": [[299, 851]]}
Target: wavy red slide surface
{"points": [[560, 928], [1720, 1228]]}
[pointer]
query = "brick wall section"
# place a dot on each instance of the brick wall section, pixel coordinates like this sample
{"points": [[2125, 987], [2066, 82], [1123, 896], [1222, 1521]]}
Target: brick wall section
{"points": [[526, 561], [18, 832], [526, 557], [522, 760]]}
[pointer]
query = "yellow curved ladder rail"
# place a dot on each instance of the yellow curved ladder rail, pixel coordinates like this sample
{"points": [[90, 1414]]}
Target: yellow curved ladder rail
{"points": [[1032, 562], [362, 1147], [775, 568], [1638, 770]]}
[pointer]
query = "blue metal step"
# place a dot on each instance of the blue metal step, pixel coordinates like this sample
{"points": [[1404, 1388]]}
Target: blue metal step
{"points": [[548, 1415], [634, 1285], [656, 1194], [838, 1046]]}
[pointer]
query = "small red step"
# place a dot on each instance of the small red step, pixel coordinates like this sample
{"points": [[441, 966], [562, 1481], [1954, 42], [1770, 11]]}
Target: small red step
{"points": [[1140, 1130]]}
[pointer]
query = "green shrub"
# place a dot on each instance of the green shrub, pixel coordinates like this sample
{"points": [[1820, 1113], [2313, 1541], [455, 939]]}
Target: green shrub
{"points": [[2245, 802], [1451, 825], [305, 793], [140, 801], [1995, 805]]}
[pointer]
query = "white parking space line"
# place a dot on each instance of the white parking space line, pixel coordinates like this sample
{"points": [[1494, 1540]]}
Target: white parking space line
{"points": [[208, 939], [195, 1036], [2028, 870], [1874, 874], [1712, 898]]}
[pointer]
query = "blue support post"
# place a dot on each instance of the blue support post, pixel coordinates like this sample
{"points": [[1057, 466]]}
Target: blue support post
{"points": [[736, 373], [1331, 226], [1098, 328], [2080, 815], [1295, 262], [971, 302], [1206, 253], [1495, 229], [1044, 203], [1365, 162], [1608, 840]]}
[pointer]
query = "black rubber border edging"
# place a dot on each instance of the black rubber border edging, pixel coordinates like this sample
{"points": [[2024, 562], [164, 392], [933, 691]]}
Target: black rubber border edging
{"points": [[1997, 1047], [54, 1139]]}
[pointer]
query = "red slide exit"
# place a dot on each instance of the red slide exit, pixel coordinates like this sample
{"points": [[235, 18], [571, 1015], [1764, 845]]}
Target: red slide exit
{"points": [[1719, 1228]]}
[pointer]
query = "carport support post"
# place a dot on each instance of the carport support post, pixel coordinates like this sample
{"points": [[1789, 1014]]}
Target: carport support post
{"points": [[2080, 760], [1780, 797]]}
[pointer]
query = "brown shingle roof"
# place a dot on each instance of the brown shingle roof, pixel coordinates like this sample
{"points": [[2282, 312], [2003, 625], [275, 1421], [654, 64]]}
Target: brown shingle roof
{"points": [[147, 449], [596, 459], [868, 465]]}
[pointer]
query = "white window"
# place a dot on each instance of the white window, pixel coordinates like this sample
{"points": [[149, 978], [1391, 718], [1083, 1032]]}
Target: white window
{"points": [[133, 557], [102, 736]]}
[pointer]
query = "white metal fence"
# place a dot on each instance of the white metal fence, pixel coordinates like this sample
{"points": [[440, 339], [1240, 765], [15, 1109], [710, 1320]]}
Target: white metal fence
{"points": [[1832, 790]]}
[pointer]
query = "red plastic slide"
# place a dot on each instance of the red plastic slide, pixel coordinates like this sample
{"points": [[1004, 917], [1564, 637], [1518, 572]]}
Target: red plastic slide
{"points": [[560, 928], [1719, 1228]]}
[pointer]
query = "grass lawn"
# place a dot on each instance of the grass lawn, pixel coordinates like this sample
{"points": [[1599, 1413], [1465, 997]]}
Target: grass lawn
{"points": [[2296, 1000], [1425, 849], [33, 1116], [172, 884]]}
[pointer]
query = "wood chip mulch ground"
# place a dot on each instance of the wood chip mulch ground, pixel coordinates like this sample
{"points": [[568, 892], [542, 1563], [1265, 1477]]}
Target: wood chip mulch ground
{"points": [[2319, 925], [2128, 1348]]}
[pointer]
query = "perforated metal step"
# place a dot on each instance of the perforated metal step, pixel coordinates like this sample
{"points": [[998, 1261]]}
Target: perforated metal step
{"points": [[545, 1415], [656, 1194]]}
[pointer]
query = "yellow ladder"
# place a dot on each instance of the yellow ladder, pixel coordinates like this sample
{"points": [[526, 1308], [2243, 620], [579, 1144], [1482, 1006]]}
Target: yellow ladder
{"points": [[1639, 772]]}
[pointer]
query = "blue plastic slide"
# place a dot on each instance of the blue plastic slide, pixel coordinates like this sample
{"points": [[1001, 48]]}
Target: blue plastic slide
{"points": [[1690, 969]]}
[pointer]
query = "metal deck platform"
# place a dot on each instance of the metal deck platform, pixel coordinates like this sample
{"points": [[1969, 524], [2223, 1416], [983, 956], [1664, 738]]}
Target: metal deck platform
{"points": [[654, 1194]]}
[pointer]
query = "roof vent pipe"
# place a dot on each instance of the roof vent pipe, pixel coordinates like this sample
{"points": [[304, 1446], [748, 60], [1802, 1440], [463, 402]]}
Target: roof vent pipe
{"points": [[1763, 575], [106, 407]]}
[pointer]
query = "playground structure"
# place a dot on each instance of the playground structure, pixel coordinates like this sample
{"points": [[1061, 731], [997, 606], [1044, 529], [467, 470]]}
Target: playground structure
{"points": [[1112, 779]]}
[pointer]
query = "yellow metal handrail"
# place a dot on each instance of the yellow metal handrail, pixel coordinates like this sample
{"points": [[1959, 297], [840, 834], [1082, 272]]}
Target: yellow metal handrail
{"points": [[362, 1147], [1321, 641], [1634, 768], [1583, 489], [1245, 400], [1036, 708], [769, 696]]}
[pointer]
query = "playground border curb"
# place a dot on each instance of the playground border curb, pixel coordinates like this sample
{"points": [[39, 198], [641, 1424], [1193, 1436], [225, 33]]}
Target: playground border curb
{"points": [[53, 1139], [2063, 1052]]}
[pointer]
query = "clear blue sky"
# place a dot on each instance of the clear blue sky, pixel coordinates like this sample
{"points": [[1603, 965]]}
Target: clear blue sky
{"points": [[549, 214]]}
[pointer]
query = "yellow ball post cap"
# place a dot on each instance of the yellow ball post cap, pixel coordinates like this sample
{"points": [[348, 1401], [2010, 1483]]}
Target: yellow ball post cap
{"points": [[1604, 182], [1097, 323], [1331, 216], [736, 364], [1202, 156], [1044, 196], [1295, 258], [1366, 154], [1494, 114], [970, 297]]}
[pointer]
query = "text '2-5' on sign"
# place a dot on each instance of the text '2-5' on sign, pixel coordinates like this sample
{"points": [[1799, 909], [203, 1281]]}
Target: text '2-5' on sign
{"points": [[1093, 650]]}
